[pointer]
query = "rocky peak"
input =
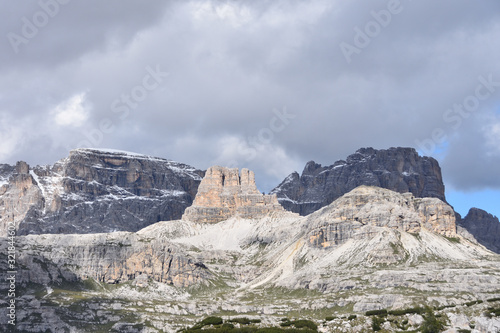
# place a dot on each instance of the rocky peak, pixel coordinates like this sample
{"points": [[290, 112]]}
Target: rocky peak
{"points": [[22, 168], [398, 169], [224, 193], [484, 227], [378, 207], [95, 190]]}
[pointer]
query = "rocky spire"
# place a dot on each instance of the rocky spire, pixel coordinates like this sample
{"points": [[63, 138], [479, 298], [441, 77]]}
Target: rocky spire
{"points": [[224, 193]]}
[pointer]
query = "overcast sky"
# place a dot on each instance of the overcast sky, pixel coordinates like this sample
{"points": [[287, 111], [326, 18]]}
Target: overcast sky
{"points": [[267, 85]]}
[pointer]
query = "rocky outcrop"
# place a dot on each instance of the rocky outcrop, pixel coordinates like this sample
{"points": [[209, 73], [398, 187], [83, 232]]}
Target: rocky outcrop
{"points": [[109, 258], [20, 197], [223, 193], [95, 191], [397, 169], [377, 207], [484, 227]]}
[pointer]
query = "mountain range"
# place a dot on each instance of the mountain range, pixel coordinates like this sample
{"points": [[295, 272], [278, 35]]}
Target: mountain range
{"points": [[120, 242]]}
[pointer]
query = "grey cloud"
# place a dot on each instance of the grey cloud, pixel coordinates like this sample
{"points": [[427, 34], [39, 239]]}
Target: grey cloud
{"points": [[231, 64]]}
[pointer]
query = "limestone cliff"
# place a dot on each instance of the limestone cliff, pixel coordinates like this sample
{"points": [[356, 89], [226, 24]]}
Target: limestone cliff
{"points": [[109, 258], [95, 191], [373, 206], [397, 169], [223, 193]]}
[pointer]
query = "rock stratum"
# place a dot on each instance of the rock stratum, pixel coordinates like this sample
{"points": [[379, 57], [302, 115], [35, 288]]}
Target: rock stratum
{"points": [[223, 193], [397, 169], [370, 249], [95, 191]]}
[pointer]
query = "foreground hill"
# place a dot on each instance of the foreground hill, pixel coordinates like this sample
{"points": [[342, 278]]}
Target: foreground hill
{"points": [[371, 249]]}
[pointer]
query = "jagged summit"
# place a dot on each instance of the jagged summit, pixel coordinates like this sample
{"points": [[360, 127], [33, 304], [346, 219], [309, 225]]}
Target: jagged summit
{"points": [[224, 193], [484, 227], [95, 190], [398, 169]]}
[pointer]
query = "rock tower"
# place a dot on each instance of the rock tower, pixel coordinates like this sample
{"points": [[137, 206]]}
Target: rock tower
{"points": [[224, 193]]}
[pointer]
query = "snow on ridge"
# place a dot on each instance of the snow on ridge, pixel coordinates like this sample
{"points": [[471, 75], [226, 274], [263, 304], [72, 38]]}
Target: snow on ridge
{"points": [[120, 153], [175, 166]]}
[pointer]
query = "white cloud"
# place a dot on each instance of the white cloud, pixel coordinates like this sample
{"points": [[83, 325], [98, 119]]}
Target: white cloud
{"points": [[492, 136], [267, 159], [10, 137], [72, 112]]}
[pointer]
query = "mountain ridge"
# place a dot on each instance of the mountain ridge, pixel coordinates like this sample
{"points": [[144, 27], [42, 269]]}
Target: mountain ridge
{"points": [[398, 169], [405, 246], [95, 190]]}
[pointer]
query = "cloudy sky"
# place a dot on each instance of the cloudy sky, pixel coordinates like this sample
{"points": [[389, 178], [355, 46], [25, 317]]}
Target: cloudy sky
{"points": [[267, 85]]}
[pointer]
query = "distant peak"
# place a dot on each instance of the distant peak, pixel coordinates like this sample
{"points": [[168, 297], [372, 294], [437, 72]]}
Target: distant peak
{"points": [[310, 167], [106, 151]]}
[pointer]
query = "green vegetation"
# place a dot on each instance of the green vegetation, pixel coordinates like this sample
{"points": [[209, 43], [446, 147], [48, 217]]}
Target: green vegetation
{"points": [[453, 239], [377, 323], [473, 303], [406, 311], [382, 312], [244, 321], [300, 324], [432, 323], [218, 325], [492, 312], [493, 299]]}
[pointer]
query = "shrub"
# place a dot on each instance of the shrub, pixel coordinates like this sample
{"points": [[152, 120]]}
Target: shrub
{"points": [[244, 321], [211, 321], [305, 324], [330, 318], [351, 317], [493, 299], [431, 323], [377, 323], [382, 312], [406, 311], [241, 321]]}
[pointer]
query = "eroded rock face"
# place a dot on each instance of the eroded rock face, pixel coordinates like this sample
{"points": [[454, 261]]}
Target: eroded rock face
{"points": [[223, 193], [109, 258], [20, 197], [397, 169], [484, 227], [378, 207], [95, 191]]}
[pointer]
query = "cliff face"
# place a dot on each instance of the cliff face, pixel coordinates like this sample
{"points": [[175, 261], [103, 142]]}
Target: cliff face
{"points": [[95, 191], [377, 207], [109, 258], [397, 169], [484, 227], [223, 193]]}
